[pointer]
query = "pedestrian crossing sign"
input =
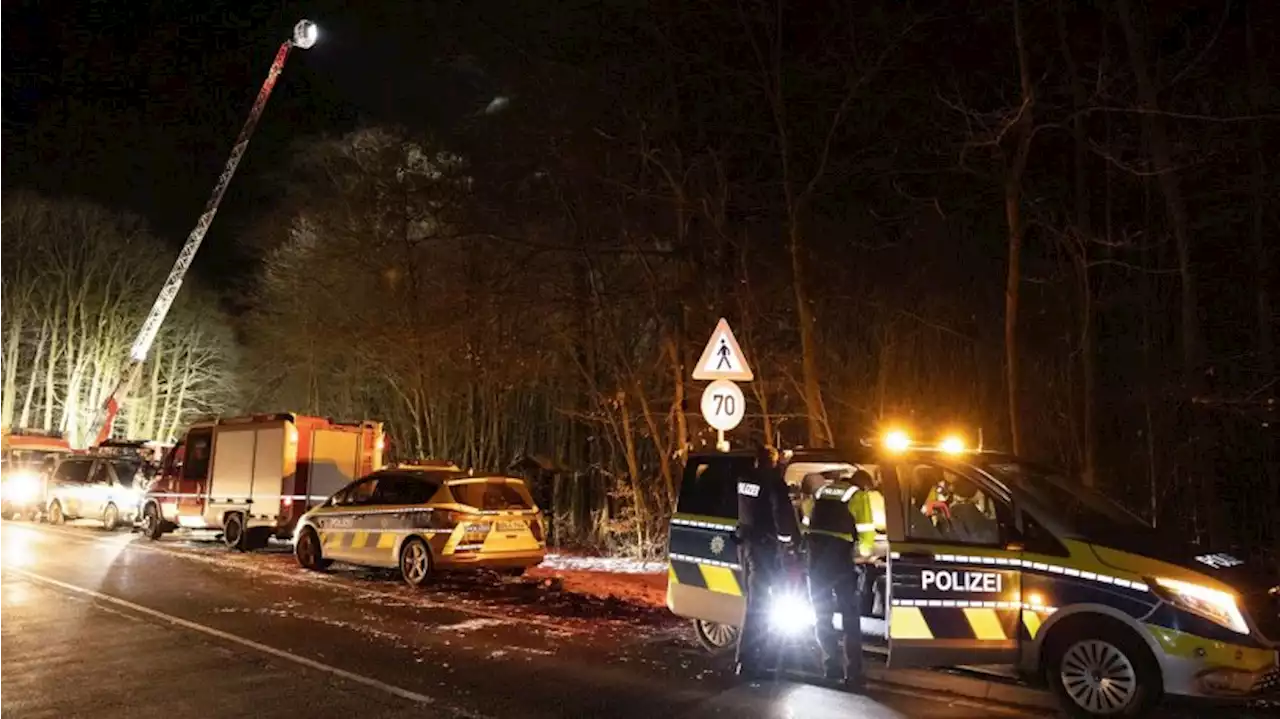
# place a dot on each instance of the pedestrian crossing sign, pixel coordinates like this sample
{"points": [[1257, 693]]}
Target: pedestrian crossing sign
{"points": [[722, 358]]}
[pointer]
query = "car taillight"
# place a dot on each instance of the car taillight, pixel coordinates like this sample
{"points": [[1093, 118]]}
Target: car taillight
{"points": [[536, 527]]}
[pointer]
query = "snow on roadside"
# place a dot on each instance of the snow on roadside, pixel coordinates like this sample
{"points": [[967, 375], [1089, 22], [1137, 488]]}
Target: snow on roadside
{"points": [[610, 565], [633, 581]]}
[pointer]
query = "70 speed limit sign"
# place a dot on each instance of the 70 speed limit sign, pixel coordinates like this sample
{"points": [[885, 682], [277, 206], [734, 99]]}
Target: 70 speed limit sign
{"points": [[723, 405]]}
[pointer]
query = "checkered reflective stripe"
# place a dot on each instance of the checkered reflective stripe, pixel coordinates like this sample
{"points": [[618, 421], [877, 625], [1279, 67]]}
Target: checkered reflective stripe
{"points": [[703, 553], [1267, 686]]}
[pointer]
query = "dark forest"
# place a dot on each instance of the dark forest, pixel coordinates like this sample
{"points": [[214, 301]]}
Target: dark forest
{"points": [[507, 230]]}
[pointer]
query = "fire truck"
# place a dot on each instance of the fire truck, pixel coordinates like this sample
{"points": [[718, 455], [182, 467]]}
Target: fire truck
{"points": [[253, 477]]}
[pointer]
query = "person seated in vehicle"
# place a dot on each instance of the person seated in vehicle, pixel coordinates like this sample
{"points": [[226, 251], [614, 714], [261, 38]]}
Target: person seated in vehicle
{"points": [[969, 520]]}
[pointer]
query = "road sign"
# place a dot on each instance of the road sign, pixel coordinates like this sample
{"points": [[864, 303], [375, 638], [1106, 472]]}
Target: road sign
{"points": [[723, 405], [723, 358]]}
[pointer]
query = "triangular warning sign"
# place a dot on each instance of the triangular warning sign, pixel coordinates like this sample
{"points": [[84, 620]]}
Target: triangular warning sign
{"points": [[723, 358]]}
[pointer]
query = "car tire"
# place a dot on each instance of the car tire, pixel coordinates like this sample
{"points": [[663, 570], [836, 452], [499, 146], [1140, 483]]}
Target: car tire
{"points": [[110, 517], [716, 638], [152, 525], [234, 533], [1097, 667], [415, 562], [55, 513], [309, 552]]}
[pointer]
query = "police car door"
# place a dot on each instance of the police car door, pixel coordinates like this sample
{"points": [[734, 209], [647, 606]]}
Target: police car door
{"points": [[955, 597]]}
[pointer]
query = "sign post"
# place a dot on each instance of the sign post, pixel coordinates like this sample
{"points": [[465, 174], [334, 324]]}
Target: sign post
{"points": [[722, 362]]}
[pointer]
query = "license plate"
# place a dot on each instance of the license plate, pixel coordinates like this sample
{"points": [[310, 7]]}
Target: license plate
{"points": [[515, 526]]}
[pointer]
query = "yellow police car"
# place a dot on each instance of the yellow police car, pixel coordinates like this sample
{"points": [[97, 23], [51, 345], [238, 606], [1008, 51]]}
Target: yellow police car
{"points": [[423, 520], [990, 560]]}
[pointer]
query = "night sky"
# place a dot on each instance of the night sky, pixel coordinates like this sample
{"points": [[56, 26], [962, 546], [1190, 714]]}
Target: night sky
{"points": [[135, 105]]}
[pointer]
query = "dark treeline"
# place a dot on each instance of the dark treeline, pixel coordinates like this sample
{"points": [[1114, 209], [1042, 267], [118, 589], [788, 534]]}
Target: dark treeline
{"points": [[1052, 222]]}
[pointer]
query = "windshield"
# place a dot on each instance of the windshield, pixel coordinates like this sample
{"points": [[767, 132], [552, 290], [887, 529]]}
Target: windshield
{"points": [[1085, 509]]}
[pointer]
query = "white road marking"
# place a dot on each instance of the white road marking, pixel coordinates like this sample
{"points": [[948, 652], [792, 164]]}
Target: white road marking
{"points": [[212, 559], [227, 636]]}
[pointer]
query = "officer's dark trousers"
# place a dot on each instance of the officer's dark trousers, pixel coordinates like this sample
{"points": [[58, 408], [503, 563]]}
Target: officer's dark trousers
{"points": [[833, 587], [759, 559]]}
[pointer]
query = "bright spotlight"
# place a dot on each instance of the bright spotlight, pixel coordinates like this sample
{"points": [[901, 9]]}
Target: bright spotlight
{"points": [[952, 445], [305, 34], [790, 613], [897, 441]]}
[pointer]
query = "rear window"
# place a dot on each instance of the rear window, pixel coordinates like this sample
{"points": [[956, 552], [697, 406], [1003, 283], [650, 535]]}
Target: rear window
{"points": [[492, 495], [74, 471]]}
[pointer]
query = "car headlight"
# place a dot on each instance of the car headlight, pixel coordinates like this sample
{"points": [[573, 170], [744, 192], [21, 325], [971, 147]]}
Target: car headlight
{"points": [[1216, 606], [22, 487], [790, 613]]}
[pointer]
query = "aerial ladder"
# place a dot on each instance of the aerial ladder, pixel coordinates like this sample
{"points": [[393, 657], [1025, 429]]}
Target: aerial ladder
{"points": [[304, 36]]}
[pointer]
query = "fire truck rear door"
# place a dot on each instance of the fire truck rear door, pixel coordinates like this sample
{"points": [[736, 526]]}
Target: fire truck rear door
{"points": [[335, 462], [268, 472]]}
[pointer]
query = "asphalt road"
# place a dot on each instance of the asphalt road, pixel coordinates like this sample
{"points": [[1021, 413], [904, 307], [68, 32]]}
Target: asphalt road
{"points": [[98, 622]]}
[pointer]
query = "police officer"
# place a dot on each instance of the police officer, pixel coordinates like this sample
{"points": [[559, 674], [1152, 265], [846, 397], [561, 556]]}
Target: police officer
{"points": [[840, 526], [766, 531]]}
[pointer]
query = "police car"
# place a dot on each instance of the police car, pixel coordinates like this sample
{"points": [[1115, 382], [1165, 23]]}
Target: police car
{"points": [[423, 520], [990, 559]]}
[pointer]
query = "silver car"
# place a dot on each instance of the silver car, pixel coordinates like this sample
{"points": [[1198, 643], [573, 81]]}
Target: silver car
{"points": [[108, 489]]}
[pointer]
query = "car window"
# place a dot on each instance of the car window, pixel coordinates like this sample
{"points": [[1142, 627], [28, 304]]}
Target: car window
{"points": [[710, 486], [128, 471], [944, 506], [74, 471], [101, 473], [195, 460], [403, 489], [492, 495], [360, 493]]}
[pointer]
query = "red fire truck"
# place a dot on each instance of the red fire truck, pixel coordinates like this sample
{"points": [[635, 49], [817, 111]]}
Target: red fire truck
{"points": [[252, 477]]}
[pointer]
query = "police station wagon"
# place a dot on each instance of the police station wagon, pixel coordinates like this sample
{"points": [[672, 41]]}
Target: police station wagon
{"points": [[988, 559], [423, 520]]}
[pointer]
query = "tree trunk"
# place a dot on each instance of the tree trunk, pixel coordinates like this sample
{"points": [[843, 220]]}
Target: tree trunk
{"points": [[34, 375], [808, 342], [1261, 201], [1084, 231], [13, 345], [51, 370], [1166, 174], [1013, 217]]}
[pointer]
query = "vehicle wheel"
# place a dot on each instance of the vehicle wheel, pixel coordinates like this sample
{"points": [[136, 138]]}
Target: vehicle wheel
{"points": [[152, 526], [714, 637], [110, 518], [1100, 669], [415, 562], [308, 551], [55, 513], [233, 532]]}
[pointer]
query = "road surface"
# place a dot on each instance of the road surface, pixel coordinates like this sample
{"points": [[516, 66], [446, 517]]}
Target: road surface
{"points": [[97, 622]]}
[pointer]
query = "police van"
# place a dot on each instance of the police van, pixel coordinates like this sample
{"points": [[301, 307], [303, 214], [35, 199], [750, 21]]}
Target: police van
{"points": [[989, 559]]}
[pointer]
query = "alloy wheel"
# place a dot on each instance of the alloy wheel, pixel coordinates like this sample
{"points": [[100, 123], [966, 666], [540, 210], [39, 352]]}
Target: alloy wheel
{"points": [[1098, 677]]}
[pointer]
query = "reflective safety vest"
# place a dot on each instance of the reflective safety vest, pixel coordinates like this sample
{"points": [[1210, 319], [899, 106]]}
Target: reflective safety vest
{"points": [[841, 510]]}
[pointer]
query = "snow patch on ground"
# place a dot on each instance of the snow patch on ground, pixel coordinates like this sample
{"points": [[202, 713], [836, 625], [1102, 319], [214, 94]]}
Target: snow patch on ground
{"points": [[472, 624], [609, 565]]}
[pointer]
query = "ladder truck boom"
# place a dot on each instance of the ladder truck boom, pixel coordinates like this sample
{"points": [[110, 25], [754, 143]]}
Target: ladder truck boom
{"points": [[304, 36]]}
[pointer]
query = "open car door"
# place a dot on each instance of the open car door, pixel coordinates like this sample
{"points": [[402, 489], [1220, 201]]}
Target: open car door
{"points": [[705, 580], [955, 596]]}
